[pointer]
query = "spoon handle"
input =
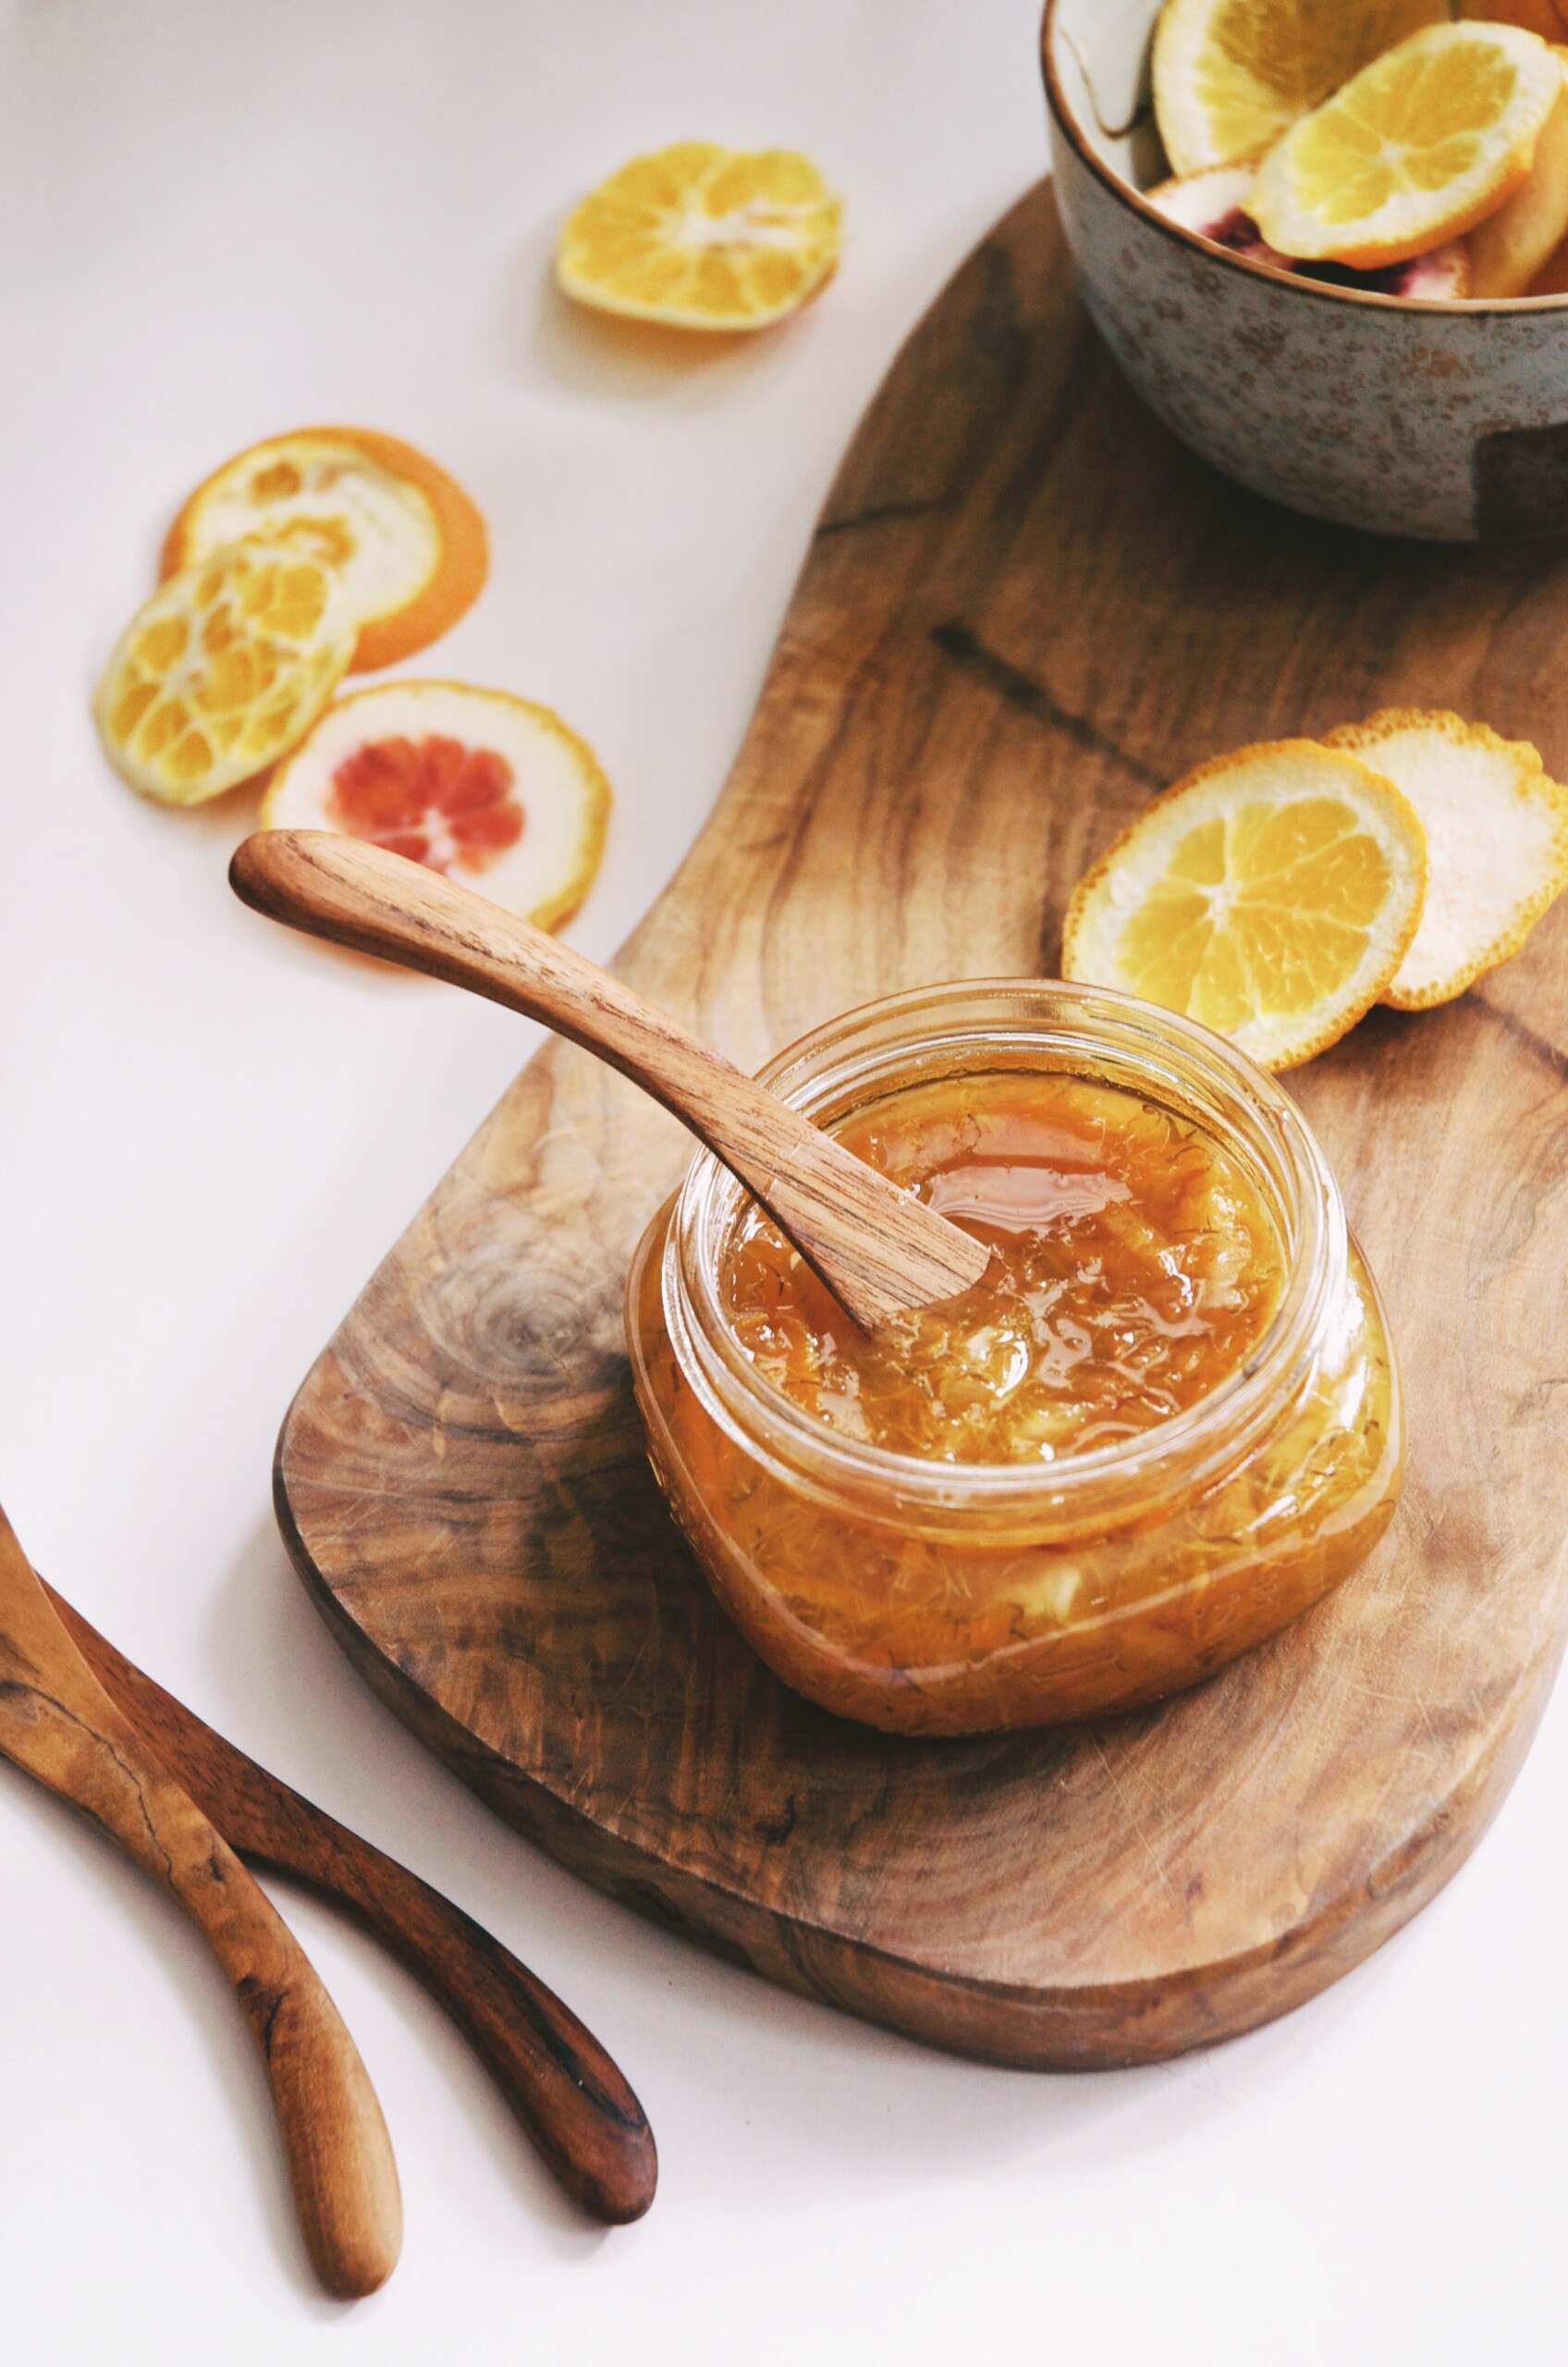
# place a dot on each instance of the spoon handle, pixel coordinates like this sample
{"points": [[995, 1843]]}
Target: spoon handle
{"points": [[567, 2091], [878, 1250], [58, 1723]]}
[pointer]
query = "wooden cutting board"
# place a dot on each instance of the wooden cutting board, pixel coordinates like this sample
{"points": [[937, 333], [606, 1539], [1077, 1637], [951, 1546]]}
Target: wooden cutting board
{"points": [[1025, 609]]}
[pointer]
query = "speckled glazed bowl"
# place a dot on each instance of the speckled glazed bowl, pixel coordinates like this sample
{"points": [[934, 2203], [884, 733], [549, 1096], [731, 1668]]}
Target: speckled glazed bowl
{"points": [[1448, 421]]}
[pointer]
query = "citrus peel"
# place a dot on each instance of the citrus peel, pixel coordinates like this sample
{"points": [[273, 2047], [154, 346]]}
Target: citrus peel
{"points": [[1272, 895], [491, 790], [409, 543], [1496, 835], [1510, 246], [225, 666], [1209, 202], [704, 238]]}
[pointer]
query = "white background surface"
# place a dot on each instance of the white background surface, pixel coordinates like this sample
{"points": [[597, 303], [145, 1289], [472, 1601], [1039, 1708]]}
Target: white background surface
{"points": [[218, 220]]}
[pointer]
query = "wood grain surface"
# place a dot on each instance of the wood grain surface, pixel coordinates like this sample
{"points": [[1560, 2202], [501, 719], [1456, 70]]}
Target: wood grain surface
{"points": [[1025, 609]]}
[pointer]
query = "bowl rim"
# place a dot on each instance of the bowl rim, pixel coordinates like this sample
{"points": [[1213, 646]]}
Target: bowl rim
{"points": [[1327, 291]]}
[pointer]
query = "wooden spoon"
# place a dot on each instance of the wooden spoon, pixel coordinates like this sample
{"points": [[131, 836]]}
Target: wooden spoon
{"points": [[879, 1251], [58, 1723], [557, 2079]]}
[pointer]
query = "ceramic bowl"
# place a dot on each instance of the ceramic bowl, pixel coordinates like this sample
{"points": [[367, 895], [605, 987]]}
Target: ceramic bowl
{"points": [[1444, 420]]}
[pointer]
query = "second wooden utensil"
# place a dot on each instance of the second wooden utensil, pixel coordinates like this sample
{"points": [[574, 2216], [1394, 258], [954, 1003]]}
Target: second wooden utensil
{"points": [[557, 2079], [58, 1723], [879, 1251]]}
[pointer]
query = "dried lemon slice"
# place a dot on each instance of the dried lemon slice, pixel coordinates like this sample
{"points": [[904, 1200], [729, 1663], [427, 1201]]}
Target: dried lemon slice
{"points": [[1272, 895], [490, 789], [703, 238], [225, 668], [1497, 839], [1231, 74], [409, 543], [1416, 150]]}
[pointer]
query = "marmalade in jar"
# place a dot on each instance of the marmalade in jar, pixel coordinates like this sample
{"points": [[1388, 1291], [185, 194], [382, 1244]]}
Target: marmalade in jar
{"points": [[1165, 1421], [1133, 1265]]}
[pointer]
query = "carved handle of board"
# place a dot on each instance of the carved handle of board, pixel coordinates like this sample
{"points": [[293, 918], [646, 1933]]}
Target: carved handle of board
{"points": [[58, 1723], [879, 1251]]}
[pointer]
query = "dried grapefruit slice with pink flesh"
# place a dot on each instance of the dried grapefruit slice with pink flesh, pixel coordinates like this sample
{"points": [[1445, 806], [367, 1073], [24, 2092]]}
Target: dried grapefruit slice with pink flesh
{"points": [[1272, 895], [223, 670], [1213, 203], [1497, 841], [1210, 203], [489, 788], [409, 543]]}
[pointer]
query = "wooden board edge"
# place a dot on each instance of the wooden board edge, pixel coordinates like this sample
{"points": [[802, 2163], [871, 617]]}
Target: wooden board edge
{"points": [[1111, 2027]]}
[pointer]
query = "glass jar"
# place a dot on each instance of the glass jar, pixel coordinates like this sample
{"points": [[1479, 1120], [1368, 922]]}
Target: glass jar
{"points": [[942, 1598]]}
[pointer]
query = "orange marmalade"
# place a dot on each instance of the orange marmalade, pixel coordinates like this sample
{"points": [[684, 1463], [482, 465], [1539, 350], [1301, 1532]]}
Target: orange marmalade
{"points": [[1133, 1265], [1165, 1421]]}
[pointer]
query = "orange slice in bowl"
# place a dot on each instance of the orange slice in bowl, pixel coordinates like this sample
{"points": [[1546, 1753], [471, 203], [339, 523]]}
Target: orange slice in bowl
{"points": [[1230, 76], [1416, 150], [409, 543], [703, 238], [222, 670], [1497, 841], [1272, 895], [491, 790]]}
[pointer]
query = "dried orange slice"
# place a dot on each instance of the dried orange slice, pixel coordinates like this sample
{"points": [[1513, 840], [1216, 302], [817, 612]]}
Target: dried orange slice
{"points": [[1272, 895], [224, 668], [409, 543], [703, 238], [1230, 76], [490, 789], [1497, 841], [1413, 151]]}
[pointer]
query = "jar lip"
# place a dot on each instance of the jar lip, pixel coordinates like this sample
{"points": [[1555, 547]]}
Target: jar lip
{"points": [[1140, 1045]]}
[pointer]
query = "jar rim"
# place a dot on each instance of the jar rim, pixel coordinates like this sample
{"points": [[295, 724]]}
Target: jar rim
{"points": [[837, 1067]]}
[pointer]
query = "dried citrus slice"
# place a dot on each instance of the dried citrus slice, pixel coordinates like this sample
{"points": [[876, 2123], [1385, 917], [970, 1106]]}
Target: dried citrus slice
{"points": [[1272, 895], [1497, 841], [703, 238], [1418, 149], [490, 789], [1231, 74], [224, 668], [409, 544]]}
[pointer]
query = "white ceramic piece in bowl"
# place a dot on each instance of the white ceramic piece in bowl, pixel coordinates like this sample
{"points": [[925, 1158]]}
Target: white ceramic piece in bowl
{"points": [[1448, 421]]}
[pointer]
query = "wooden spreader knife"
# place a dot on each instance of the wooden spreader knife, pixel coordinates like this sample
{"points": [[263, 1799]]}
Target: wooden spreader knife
{"points": [[879, 1250], [58, 1723], [181, 1800], [558, 2080]]}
